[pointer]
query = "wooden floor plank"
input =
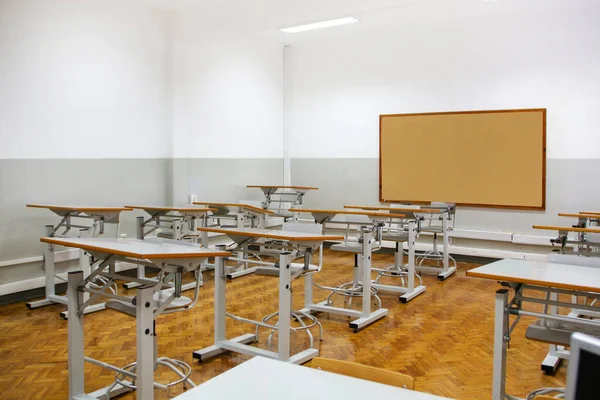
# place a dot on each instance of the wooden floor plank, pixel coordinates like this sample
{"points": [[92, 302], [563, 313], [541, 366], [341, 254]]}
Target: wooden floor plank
{"points": [[442, 338]]}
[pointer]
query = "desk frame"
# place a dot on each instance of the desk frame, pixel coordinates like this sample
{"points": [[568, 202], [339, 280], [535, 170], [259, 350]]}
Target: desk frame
{"points": [[77, 288], [239, 344], [100, 216]]}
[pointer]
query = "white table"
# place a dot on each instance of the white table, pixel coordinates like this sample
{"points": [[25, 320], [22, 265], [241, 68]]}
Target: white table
{"points": [[72, 217], [241, 213], [180, 223], [361, 284], [550, 280], [303, 244], [285, 197], [265, 379], [167, 255]]}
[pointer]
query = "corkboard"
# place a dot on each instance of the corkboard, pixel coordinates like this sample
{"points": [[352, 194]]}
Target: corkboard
{"points": [[474, 158]]}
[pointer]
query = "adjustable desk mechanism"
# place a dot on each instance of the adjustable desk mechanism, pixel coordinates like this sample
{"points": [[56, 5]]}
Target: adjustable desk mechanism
{"points": [[303, 244], [551, 280], [244, 215], [99, 216], [285, 197], [180, 223], [585, 247], [172, 258]]}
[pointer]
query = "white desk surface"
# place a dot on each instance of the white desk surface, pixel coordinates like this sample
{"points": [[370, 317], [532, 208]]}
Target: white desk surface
{"points": [[273, 234], [262, 378], [368, 213], [242, 206], [83, 209], [187, 209], [282, 187], [541, 273], [136, 248]]}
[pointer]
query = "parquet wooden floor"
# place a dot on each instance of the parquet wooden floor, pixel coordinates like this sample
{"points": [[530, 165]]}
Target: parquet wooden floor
{"points": [[443, 338]]}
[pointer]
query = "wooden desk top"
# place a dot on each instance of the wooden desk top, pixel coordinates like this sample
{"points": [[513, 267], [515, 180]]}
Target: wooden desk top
{"points": [[240, 382], [141, 249], [566, 229], [282, 187], [580, 215], [398, 209], [83, 209], [347, 212], [273, 234], [198, 210], [564, 276], [590, 212], [248, 207]]}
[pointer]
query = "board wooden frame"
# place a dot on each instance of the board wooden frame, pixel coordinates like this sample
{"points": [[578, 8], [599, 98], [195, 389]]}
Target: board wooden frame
{"points": [[517, 207]]}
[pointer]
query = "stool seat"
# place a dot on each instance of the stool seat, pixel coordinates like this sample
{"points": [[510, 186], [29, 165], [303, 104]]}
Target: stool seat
{"points": [[395, 236], [128, 308], [432, 229], [348, 247]]}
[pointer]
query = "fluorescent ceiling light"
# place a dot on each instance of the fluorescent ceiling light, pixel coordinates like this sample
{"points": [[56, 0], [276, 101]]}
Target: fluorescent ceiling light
{"points": [[320, 25]]}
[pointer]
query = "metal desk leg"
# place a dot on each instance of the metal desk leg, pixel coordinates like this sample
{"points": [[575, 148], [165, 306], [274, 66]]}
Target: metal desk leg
{"points": [[49, 274], [144, 344], [552, 360], [220, 307], [75, 335], [141, 269], [285, 306], [84, 266], [367, 317], [500, 345], [447, 270]]}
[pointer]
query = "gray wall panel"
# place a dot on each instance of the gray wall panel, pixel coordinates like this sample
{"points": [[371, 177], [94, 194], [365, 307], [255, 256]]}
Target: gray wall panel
{"points": [[216, 179], [570, 187], [109, 182]]}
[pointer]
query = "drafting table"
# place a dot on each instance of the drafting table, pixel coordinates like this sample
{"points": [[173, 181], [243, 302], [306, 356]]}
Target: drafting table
{"points": [[99, 216], [550, 280], [584, 246], [242, 213], [180, 223], [399, 231], [362, 284], [285, 197], [247, 381], [171, 257], [304, 244]]}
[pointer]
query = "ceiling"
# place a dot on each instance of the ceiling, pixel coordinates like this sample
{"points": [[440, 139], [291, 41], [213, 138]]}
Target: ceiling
{"points": [[263, 18]]}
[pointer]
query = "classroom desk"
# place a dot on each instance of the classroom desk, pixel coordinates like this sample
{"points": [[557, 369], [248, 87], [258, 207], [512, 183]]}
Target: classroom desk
{"points": [[401, 230], [241, 213], [282, 195], [304, 244], [264, 379], [584, 246], [361, 284], [550, 280], [99, 216], [169, 256], [180, 221], [441, 213]]}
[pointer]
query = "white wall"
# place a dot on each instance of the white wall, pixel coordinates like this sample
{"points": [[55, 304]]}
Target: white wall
{"points": [[78, 75], [505, 54], [227, 94], [486, 55]]}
